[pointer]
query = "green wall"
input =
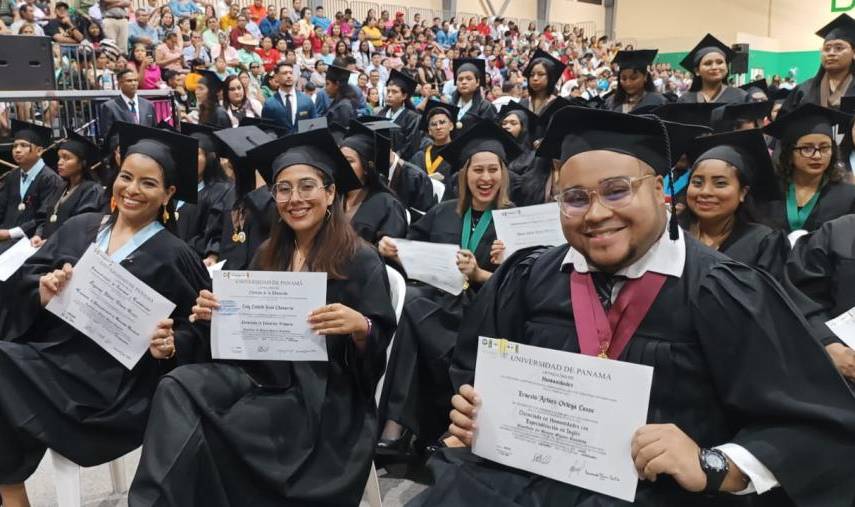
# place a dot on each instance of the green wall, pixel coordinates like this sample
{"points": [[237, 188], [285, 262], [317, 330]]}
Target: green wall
{"points": [[805, 63]]}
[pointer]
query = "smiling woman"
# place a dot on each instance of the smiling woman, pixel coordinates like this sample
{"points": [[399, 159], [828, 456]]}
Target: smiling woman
{"points": [[709, 61]]}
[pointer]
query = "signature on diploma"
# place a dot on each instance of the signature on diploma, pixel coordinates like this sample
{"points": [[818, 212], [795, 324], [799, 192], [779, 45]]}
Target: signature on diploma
{"points": [[543, 459], [578, 468]]}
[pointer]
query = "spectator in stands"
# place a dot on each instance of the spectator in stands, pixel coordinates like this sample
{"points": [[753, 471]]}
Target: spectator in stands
{"points": [[167, 23], [304, 25], [236, 102], [246, 53], [287, 106], [363, 54], [26, 16], [238, 31], [7, 17], [102, 77], [115, 18], [372, 33], [184, 8], [211, 34], [148, 73], [269, 55], [269, 25], [94, 34], [296, 11], [62, 29], [444, 37], [256, 11], [140, 31], [251, 26], [230, 20], [196, 51], [222, 70], [320, 20], [169, 53]]}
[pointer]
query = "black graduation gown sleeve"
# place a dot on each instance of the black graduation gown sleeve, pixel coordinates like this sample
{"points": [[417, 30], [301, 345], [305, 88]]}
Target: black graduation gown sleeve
{"points": [[200, 225], [409, 136], [87, 198], [45, 184], [380, 214], [413, 187], [69, 394], [649, 99], [835, 200], [221, 436], [259, 212], [341, 112]]}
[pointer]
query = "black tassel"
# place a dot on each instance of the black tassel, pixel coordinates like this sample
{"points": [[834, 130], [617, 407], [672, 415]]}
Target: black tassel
{"points": [[673, 226]]}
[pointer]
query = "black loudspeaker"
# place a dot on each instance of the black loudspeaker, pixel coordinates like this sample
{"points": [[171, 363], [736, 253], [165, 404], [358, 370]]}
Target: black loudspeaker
{"points": [[739, 65], [26, 63]]}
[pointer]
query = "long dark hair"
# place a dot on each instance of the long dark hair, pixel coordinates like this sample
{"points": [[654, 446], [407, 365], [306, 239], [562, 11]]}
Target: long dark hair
{"points": [[208, 108], [332, 249], [620, 93], [784, 164], [213, 171], [550, 81], [347, 92]]}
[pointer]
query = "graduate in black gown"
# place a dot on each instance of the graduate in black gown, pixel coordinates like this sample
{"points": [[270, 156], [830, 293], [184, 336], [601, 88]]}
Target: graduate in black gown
{"points": [[747, 116], [23, 190], [470, 76], [247, 224], [208, 91], [542, 75], [417, 386], [62, 390], [809, 168], [81, 192], [821, 267], [520, 123], [708, 61], [835, 78], [713, 327], [343, 97], [371, 208], [272, 433], [635, 86], [399, 109], [439, 121], [758, 91], [200, 225], [729, 171]]}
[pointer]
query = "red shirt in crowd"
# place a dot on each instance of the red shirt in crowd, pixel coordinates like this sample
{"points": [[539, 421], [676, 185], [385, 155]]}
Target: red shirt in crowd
{"points": [[269, 57]]}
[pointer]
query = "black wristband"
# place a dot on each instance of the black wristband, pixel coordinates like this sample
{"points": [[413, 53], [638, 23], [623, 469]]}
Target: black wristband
{"points": [[715, 465]]}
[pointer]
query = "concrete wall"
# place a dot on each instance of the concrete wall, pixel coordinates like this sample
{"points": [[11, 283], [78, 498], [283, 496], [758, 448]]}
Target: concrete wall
{"points": [[563, 11]]}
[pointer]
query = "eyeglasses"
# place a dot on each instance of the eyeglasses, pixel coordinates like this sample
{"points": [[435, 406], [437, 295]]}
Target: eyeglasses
{"points": [[834, 48], [810, 150], [613, 193], [283, 192]]}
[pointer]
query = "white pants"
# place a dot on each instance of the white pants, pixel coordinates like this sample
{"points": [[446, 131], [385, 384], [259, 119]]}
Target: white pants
{"points": [[117, 29]]}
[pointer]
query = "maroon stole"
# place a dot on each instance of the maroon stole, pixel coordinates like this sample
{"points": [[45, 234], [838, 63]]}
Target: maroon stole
{"points": [[607, 335]]}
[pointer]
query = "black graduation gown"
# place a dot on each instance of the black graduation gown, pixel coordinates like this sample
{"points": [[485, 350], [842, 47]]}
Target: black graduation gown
{"points": [[412, 187], [835, 200], [480, 110], [756, 245], [407, 139], [822, 266], [45, 184], [341, 111], [273, 433], [523, 162], [200, 225], [64, 392], [531, 188], [418, 160], [259, 213], [219, 119], [380, 214], [417, 387], [708, 335], [809, 91], [649, 99], [88, 197], [730, 95]]}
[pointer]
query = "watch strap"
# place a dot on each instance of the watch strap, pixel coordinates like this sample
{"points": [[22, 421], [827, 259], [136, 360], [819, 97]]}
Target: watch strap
{"points": [[715, 478]]}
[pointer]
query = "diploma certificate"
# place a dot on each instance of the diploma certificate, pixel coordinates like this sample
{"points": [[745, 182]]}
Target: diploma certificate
{"points": [[263, 316], [538, 225], [432, 263], [111, 306], [12, 259], [565, 416], [844, 327]]}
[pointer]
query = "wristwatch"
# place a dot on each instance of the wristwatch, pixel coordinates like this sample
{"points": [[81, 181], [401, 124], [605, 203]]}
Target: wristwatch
{"points": [[715, 466]]}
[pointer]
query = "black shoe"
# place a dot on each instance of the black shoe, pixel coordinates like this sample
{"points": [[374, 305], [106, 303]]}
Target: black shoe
{"points": [[396, 446]]}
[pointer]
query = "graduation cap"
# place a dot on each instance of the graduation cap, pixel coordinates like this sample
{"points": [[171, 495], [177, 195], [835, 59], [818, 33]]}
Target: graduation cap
{"points": [[475, 65], [847, 104], [32, 133], [379, 124], [267, 126], [236, 143], [528, 117], [692, 113], [840, 28], [727, 117], [204, 134], [211, 80], [175, 153], [745, 150], [312, 124], [110, 141], [407, 84], [484, 135], [639, 59], [779, 94], [760, 84], [82, 147], [434, 107], [553, 107], [808, 118], [315, 148], [372, 147], [707, 45], [338, 131], [554, 67], [337, 74]]}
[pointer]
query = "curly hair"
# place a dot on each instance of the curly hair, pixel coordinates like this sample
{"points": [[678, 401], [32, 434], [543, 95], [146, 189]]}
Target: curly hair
{"points": [[834, 173]]}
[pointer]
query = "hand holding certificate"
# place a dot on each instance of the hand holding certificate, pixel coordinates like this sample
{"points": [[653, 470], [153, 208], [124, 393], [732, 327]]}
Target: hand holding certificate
{"points": [[528, 226], [565, 416], [432, 263], [111, 306], [262, 315]]}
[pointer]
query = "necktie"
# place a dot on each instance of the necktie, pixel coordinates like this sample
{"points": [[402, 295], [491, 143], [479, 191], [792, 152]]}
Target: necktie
{"points": [[289, 112], [133, 109], [604, 283]]}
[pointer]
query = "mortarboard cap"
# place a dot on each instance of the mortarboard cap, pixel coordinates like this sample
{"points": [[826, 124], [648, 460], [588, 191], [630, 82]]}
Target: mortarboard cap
{"points": [[707, 45], [315, 148], [484, 135], [32, 133], [434, 107], [337, 74], [82, 147], [372, 147], [268, 126], [204, 134], [759, 84], [726, 117], [553, 107], [554, 67], [840, 28], [475, 65], [175, 153], [407, 84], [211, 80], [692, 113], [639, 59], [808, 118], [528, 117]]}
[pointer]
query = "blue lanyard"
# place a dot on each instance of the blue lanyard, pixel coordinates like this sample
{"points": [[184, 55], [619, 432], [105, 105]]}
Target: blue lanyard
{"points": [[102, 241], [31, 175], [679, 185], [199, 188]]}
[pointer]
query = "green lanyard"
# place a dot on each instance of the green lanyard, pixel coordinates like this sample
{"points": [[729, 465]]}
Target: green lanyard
{"points": [[469, 240], [795, 216]]}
